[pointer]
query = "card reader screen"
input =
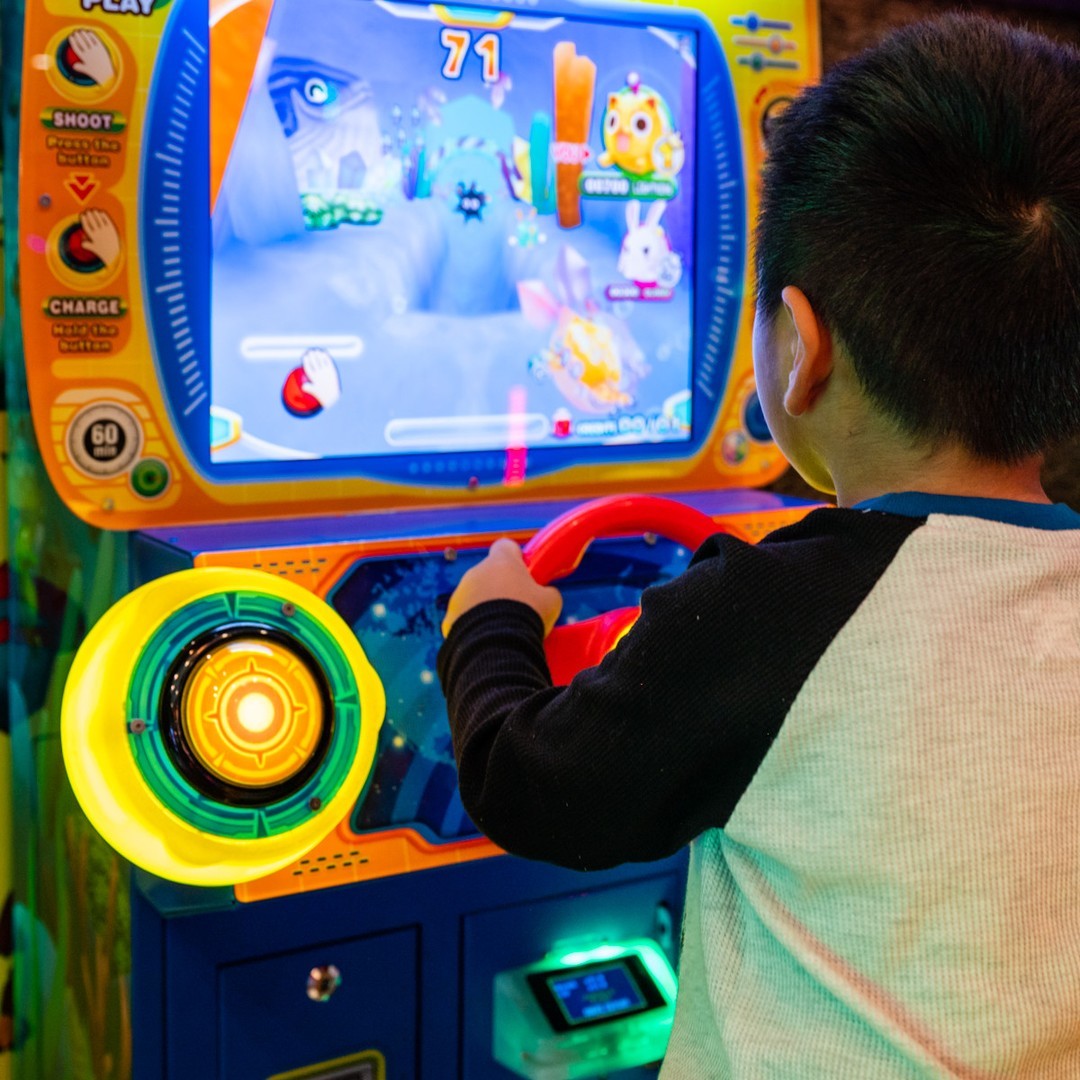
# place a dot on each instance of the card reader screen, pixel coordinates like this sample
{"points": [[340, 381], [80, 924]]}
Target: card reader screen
{"points": [[596, 993], [605, 992]]}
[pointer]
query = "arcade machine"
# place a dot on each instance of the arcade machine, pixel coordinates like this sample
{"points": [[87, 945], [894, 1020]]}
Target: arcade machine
{"points": [[318, 298]]}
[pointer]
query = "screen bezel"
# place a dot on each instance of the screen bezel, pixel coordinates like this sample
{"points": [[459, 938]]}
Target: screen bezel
{"points": [[182, 356]]}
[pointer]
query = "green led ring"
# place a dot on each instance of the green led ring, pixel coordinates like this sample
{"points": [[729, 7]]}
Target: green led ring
{"points": [[147, 737]]}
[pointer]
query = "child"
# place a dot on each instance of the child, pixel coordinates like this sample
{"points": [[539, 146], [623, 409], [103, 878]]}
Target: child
{"points": [[868, 725]]}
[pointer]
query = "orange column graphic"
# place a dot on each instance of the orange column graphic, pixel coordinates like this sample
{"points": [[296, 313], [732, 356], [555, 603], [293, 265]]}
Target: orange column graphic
{"points": [[575, 80]]}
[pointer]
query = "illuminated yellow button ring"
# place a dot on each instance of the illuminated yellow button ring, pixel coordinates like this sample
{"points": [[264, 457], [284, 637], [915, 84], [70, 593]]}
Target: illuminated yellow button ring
{"points": [[247, 715]]}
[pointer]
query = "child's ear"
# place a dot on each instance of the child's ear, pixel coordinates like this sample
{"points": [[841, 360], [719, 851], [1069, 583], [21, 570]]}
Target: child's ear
{"points": [[812, 359]]}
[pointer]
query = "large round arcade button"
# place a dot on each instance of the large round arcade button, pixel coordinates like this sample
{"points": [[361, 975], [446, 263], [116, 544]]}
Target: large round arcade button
{"points": [[218, 723], [250, 712], [74, 252]]}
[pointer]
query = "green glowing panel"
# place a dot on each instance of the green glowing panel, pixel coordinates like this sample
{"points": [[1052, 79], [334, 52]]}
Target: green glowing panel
{"points": [[587, 1013]]}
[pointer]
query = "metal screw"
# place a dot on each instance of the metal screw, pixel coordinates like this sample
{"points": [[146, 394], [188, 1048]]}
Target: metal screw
{"points": [[44, 201], [108, 505], [137, 727], [322, 981], [650, 538], [450, 554], [314, 803], [288, 609]]}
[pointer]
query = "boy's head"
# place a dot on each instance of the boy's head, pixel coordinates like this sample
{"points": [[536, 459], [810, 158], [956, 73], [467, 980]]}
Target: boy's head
{"points": [[925, 199]]}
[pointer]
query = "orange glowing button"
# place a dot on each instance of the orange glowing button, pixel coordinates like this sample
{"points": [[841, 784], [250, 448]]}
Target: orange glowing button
{"points": [[252, 712]]}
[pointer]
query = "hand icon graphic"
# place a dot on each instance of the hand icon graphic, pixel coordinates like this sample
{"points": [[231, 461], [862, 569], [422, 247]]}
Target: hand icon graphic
{"points": [[101, 236], [93, 60], [321, 379]]}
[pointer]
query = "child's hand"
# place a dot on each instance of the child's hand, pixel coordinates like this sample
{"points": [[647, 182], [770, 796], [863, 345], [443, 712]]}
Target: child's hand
{"points": [[503, 576]]}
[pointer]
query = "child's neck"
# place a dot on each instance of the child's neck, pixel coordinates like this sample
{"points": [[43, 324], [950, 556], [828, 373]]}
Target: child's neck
{"points": [[951, 471]]}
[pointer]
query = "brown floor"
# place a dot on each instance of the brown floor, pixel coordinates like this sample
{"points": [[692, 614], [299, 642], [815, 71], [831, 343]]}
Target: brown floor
{"points": [[850, 25]]}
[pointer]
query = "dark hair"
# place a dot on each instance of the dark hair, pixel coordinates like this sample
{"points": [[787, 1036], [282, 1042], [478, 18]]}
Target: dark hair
{"points": [[926, 198]]}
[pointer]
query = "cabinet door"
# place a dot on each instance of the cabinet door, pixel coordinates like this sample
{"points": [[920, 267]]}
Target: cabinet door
{"points": [[270, 1024]]}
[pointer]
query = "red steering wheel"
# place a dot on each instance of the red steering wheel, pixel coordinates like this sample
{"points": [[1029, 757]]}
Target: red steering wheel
{"points": [[558, 548]]}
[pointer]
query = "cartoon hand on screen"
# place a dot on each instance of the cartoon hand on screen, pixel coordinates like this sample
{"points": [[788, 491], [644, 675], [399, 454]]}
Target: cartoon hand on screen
{"points": [[101, 236], [321, 379], [93, 59]]}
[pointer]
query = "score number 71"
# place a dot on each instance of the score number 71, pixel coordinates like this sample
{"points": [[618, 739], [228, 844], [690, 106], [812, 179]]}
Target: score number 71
{"points": [[457, 42]]}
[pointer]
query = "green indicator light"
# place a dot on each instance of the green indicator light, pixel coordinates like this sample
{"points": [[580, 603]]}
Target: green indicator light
{"points": [[150, 478]]}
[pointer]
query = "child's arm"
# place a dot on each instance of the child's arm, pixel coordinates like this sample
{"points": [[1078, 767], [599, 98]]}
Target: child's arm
{"points": [[636, 756], [658, 742]]}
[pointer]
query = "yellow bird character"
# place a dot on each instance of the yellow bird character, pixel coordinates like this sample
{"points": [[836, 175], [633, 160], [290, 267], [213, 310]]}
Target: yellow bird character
{"points": [[639, 137]]}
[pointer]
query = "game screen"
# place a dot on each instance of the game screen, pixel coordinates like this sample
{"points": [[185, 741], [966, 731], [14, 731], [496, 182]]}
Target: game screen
{"points": [[446, 229]]}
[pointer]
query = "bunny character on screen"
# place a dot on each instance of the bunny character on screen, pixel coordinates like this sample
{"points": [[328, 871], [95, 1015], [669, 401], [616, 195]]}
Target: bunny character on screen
{"points": [[591, 356], [646, 257]]}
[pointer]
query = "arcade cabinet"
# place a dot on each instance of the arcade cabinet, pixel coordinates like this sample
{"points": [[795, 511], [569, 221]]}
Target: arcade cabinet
{"points": [[318, 298]]}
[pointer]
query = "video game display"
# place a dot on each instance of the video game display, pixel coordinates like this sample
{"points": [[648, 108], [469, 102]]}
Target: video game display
{"points": [[453, 229]]}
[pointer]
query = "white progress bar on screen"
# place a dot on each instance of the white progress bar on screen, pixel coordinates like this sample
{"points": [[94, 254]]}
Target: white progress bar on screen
{"points": [[498, 432]]}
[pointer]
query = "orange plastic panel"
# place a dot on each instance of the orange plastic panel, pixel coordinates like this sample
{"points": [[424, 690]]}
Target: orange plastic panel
{"points": [[106, 434], [346, 857]]}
